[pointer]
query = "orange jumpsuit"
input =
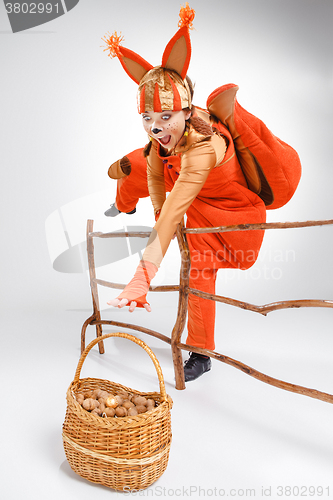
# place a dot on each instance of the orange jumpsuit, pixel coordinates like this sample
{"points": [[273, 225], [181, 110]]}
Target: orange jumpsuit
{"points": [[205, 182]]}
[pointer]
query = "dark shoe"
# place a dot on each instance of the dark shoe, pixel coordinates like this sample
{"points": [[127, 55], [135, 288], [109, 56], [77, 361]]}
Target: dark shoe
{"points": [[113, 211], [196, 365]]}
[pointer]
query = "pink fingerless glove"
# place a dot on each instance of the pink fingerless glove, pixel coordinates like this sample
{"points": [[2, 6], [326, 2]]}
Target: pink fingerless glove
{"points": [[138, 287]]}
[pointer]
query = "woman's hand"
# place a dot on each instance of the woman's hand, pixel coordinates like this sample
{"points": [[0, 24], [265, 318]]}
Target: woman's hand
{"points": [[123, 302], [134, 294]]}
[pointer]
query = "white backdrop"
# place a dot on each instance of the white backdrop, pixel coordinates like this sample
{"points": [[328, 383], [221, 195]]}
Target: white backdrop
{"points": [[68, 111]]}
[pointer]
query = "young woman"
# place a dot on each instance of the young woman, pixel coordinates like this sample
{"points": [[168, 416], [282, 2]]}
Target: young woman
{"points": [[192, 156]]}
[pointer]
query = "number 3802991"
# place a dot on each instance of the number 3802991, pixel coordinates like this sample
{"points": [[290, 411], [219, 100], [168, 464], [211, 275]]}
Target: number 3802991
{"points": [[31, 8]]}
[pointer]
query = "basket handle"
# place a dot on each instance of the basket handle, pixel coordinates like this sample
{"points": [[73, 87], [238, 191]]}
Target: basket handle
{"points": [[136, 341]]}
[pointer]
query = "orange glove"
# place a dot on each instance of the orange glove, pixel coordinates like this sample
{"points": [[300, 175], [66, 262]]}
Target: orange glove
{"points": [[138, 287]]}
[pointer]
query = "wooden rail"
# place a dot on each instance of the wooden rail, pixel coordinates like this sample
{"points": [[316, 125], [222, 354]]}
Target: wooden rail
{"points": [[184, 290]]}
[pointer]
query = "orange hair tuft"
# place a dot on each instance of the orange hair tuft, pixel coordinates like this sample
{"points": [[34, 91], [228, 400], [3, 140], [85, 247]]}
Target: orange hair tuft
{"points": [[186, 15], [113, 44]]}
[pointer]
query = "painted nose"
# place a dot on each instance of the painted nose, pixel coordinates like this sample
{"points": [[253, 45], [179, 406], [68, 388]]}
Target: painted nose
{"points": [[156, 130]]}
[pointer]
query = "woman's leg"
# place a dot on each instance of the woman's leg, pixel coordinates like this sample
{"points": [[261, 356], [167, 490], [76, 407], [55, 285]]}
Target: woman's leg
{"points": [[133, 183], [201, 312], [201, 322]]}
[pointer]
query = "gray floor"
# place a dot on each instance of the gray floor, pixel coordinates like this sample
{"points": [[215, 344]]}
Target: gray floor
{"points": [[230, 432]]}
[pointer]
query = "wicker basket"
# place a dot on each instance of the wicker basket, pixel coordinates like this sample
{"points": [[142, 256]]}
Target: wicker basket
{"points": [[125, 453]]}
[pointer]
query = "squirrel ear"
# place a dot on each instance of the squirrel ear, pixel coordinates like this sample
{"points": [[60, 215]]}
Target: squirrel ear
{"points": [[176, 57], [134, 65], [177, 53]]}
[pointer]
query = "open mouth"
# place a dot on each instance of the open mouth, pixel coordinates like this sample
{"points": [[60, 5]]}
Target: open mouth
{"points": [[165, 140]]}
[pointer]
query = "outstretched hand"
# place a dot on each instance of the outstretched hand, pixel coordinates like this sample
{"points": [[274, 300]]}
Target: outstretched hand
{"points": [[124, 302], [134, 294]]}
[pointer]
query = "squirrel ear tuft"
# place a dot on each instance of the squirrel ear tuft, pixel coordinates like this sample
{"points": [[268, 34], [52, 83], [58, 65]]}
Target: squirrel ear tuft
{"points": [[186, 16]]}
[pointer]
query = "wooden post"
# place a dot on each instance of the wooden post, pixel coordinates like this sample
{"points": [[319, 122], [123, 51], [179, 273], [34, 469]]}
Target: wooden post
{"points": [[83, 331], [94, 291], [178, 328]]}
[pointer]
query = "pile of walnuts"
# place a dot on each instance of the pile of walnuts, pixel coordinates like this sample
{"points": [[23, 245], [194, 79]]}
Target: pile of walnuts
{"points": [[123, 404]]}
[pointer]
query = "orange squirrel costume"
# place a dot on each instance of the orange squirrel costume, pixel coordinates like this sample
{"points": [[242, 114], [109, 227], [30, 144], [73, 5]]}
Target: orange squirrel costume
{"points": [[227, 168]]}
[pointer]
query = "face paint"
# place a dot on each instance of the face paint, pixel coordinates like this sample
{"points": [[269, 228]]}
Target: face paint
{"points": [[166, 127]]}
